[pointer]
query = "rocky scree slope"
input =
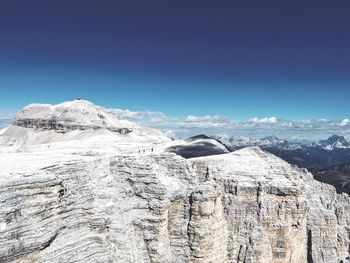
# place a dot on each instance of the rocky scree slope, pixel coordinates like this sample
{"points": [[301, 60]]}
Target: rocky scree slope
{"points": [[245, 206]]}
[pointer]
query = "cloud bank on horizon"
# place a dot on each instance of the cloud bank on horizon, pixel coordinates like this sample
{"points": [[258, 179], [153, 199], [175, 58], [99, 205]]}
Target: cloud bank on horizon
{"points": [[186, 126], [254, 127], [5, 118]]}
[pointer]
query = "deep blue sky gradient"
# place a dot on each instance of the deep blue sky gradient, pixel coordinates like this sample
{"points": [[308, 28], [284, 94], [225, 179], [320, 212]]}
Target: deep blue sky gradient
{"points": [[241, 59]]}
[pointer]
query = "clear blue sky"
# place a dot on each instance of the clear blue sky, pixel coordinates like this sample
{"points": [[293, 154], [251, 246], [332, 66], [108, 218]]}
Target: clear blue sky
{"points": [[289, 59]]}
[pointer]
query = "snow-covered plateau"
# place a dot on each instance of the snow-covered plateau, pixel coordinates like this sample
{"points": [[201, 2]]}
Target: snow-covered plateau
{"points": [[80, 184]]}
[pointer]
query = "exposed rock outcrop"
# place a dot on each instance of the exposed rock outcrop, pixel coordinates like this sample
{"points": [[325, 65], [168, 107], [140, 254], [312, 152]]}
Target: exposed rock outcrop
{"points": [[105, 206], [248, 206], [63, 126], [75, 123]]}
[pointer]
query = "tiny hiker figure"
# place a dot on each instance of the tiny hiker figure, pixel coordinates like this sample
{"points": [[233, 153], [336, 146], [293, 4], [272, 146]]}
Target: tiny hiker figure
{"points": [[207, 174]]}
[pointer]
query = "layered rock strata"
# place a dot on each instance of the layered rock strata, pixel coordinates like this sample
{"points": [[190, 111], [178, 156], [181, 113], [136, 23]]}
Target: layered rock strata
{"points": [[246, 206]]}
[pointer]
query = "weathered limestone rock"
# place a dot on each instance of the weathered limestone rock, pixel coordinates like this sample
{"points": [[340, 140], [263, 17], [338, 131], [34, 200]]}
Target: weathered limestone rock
{"points": [[248, 206], [73, 190], [63, 126]]}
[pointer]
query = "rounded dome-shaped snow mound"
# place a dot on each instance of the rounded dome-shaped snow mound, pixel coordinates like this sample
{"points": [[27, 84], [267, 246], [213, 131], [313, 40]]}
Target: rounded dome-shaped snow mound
{"points": [[71, 115], [197, 146]]}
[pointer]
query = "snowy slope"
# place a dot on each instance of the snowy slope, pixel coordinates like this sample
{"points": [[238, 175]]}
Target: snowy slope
{"points": [[76, 125], [73, 113], [74, 187]]}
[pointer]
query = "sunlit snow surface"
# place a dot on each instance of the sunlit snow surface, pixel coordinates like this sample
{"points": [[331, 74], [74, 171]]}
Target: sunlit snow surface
{"points": [[27, 150], [96, 135]]}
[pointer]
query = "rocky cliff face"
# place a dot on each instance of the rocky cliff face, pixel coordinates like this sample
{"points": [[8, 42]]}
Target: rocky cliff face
{"points": [[248, 206], [245, 206], [62, 126]]}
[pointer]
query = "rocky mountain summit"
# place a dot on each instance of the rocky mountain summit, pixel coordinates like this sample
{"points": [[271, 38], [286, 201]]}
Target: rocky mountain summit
{"points": [[74, 190], [68, 116], [74, 125], [333, 142]]}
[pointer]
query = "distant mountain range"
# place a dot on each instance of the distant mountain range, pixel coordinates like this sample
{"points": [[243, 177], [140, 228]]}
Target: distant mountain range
{"points": [[320, 154], [337, 175], [328, 159], [79, 183], [333, 142]]}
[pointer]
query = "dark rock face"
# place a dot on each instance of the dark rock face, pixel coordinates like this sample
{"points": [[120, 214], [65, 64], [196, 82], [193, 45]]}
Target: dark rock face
{"points": [[311, 157], [196, 150], [200, 136], [63, 126], [338, 176], [331, 167], [332, 141], [199, 145]]}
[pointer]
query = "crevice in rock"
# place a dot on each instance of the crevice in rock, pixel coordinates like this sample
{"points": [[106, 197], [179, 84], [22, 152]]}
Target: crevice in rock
{"points": [[309, 247], [190, 202], [258, 200], [49, 242], [239, 253]]}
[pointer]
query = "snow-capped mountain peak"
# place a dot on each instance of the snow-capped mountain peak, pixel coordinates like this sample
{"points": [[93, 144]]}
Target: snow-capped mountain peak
{"points": [[79, 123], [333, 142], [76, 114], [271, 138]]}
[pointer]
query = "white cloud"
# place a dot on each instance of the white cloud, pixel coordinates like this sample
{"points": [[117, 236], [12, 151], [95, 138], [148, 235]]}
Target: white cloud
{"points": [[170, 133], [254, 127], [344, 123], [185, 126], [163, 122], [6, 115], [5, 118], [207, 118], [140, 115], [270, 120]]}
